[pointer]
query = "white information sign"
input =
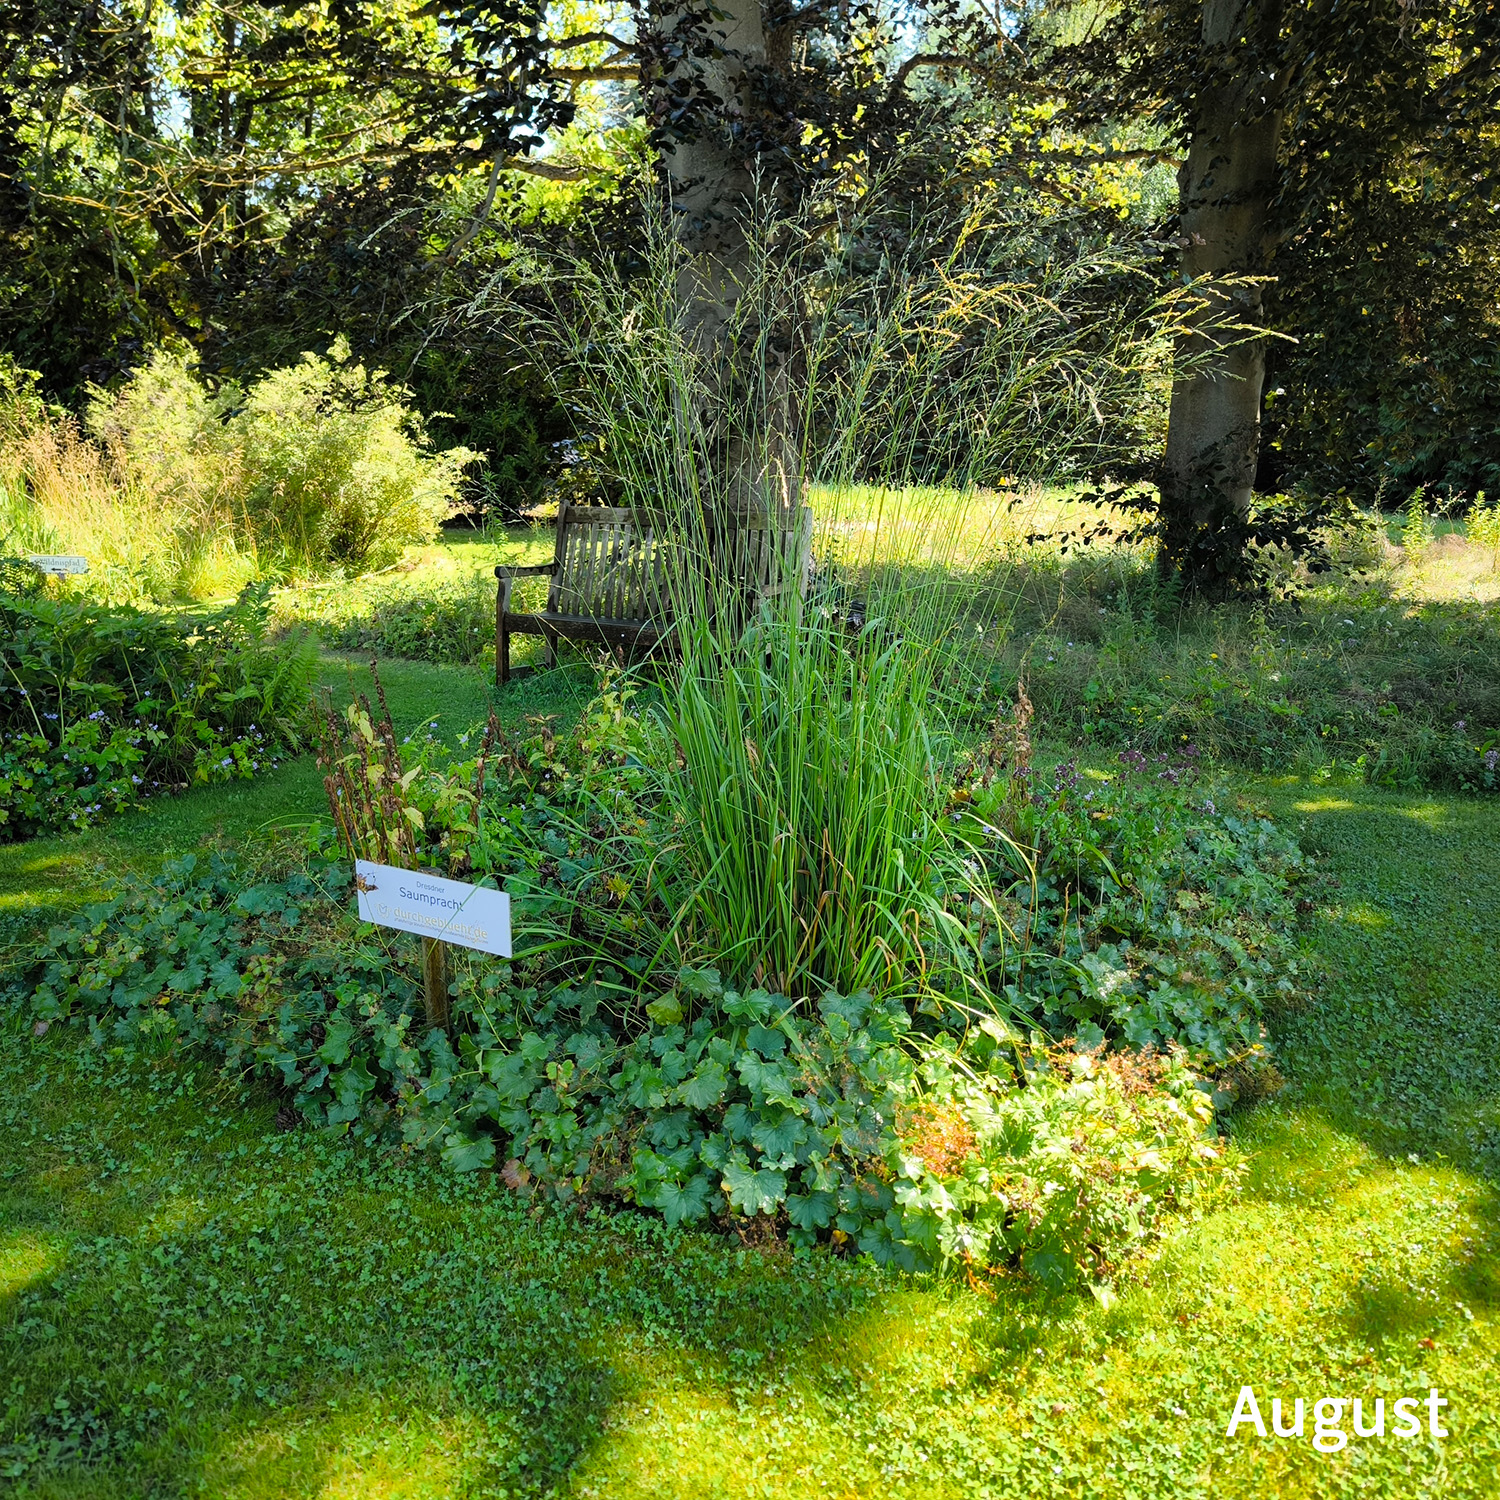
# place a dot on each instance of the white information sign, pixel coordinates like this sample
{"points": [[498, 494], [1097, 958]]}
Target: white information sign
{"points": [[433, 907], [60, 564]]}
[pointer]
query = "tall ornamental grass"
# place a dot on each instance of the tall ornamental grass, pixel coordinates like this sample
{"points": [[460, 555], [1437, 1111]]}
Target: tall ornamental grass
{"points": [[813, 736], [810, 778]]}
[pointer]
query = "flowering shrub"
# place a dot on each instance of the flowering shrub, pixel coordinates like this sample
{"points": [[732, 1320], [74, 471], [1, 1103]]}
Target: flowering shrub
{"points": [[103, 707]]}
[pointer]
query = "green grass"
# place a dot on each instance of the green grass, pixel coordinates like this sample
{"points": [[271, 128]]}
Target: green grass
{"points": [[1373, 665], [257, 1313]]}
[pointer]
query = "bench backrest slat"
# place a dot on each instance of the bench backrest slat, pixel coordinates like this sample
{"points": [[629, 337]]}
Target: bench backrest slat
{"points": [[612, 564]]}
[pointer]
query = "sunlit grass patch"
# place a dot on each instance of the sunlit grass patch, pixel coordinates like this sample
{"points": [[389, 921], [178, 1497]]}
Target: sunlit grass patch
{"points": [[451, 1333], [25, 1258]]}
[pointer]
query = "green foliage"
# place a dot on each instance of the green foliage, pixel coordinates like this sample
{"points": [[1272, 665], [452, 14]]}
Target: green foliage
{"points": [[178, 490], [1356, 672], [1483, 526], [1390, 371], [479, 395], [996, 342], [912, 1124], [1393, 378], [103, 707], [819, 1117], [805, 810], [167, 427], [1159, 918], [21, 400], [184, 1268], [445, 620], [1416, 527], [144, 498], [421, 818], [333, 473]]}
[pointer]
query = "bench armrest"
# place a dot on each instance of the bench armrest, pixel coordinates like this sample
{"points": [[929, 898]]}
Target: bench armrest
{"points": [[507, 576]]}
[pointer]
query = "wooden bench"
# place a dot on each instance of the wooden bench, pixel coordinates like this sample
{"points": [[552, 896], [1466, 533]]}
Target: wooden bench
{"points": [[610, 578]]}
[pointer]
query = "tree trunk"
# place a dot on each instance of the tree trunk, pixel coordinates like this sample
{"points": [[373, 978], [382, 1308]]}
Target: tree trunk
{"points": [[713, 184], [1213, 433]]}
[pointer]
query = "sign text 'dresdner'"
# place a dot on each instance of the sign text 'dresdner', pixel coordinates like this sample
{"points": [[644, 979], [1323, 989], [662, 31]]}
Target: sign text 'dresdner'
{"points": [[434, 907]]}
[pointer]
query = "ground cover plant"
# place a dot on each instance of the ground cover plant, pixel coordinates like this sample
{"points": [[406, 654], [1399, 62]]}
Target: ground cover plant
{"points": [[901, 1120], [102, 707]]}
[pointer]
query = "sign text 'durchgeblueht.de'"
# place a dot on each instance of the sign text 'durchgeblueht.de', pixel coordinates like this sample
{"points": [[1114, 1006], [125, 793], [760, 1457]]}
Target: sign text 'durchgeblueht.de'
{"points": [[432, 906]]}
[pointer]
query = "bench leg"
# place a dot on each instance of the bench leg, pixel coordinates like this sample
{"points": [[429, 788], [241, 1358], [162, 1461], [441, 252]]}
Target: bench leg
{"points": [[501, 636]]}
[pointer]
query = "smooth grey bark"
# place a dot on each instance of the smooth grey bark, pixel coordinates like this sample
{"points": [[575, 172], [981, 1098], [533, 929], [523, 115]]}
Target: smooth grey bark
{"points": [[714, 191], [1213, 434]]}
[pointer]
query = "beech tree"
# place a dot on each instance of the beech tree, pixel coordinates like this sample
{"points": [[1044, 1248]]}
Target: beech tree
{"points": [[1280, 107]]}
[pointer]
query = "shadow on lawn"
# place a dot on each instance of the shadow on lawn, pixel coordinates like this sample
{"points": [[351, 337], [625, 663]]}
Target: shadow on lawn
{"points": [[197, 1298], [1400, 1041], [194, 1301]]}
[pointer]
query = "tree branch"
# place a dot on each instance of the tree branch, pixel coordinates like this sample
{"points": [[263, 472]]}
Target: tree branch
{"points": [[934, 60], [1087, 158], [602, 74], [477, 222], [563, 44], [552, 171]]}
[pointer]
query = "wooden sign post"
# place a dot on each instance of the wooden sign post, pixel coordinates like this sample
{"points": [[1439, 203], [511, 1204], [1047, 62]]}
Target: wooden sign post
{"points": [[439, 911], [435, 981]]}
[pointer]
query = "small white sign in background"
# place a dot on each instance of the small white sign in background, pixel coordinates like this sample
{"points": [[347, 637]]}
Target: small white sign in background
{"points": [[433, 906], [60, 565]]}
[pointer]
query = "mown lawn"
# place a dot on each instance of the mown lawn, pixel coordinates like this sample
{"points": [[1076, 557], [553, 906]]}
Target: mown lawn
{"points": [[195, 1302]]}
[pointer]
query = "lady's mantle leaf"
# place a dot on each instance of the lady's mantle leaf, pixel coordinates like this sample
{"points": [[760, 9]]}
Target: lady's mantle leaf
{"points": [[753, 1192]]}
